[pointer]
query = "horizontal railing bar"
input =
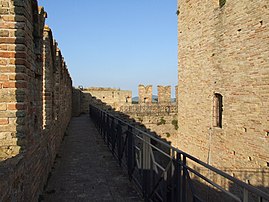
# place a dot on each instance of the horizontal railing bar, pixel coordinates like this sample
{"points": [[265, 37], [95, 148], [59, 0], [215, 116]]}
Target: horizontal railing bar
{"points": [[229, 177], [168, 156], [212, 183]]}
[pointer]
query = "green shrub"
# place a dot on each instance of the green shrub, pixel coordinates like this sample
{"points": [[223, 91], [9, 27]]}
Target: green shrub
{"points": [[175, 124], [168, 134], [161, 122]]}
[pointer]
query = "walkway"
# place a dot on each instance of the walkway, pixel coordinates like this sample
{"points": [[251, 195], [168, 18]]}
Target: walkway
{"points": [[85, 170]]}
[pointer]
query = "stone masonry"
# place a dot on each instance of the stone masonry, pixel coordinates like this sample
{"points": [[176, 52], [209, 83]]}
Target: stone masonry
{"points": [[164, 94], [110, 96], [223, 55], [113, 97], [145, 94], [35, 106]]}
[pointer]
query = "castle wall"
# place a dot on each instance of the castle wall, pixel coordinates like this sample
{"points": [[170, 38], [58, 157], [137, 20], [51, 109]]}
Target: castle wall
{"points": [[34, 81], [224, 50], [77, 98], [164, 94], [110, 96], [145, 94]]}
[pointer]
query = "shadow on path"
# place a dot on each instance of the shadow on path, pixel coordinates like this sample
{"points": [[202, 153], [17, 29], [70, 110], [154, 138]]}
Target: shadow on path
{"points": [[85, 169]]}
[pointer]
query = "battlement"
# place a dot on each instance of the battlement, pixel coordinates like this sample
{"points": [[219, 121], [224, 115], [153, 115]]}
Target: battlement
{"points": [[35, 105]]}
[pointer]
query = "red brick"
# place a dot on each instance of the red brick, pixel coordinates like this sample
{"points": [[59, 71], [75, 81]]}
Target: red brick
{"points": [[3, 121], [9, 84], [18, 61], [14, 84], [3, 47], [17, 77], [17, 106], [3, 77], [12, 55], [5, 40]]}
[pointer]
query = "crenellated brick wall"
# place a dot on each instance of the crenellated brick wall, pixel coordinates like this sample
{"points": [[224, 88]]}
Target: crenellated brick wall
{"points": [[35, 104]]}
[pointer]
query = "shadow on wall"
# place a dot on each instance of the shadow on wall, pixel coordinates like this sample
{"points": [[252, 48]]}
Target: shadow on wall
{"points": [[206, 192], [28, 147], [157, 185]]}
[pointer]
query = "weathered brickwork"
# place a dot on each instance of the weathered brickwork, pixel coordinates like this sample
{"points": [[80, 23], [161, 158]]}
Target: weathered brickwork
{"points": [[111, 96], [176, 93], [145, 94], [35, 106], [223, 50], [77, 102], [164, 94]]}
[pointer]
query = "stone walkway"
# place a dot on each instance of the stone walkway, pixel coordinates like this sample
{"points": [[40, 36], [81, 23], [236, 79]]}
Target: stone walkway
{"points": [[85, 169]]}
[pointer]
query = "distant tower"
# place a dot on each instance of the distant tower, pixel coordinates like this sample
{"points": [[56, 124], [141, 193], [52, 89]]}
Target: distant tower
{"points": [[164, 94], [176, 89], [145, 94]]}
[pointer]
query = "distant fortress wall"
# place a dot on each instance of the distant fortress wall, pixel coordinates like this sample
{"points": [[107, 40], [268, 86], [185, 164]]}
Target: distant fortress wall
{"points": [[111, 96]]}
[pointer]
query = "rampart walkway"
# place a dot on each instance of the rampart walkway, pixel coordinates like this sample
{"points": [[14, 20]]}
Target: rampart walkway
{"points": [[85, 169]]}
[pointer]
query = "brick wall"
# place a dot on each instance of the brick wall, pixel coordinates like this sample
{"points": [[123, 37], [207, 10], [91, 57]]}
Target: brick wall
{"points": [[111, 96], [225, 50], [77, 102], [35, 105]]}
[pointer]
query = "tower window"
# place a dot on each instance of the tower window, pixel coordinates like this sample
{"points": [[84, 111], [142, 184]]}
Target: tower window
{"points": [[217, 110], [222, 3]]}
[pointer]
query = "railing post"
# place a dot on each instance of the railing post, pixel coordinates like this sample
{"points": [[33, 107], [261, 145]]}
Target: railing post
{"points": [[146, 166], [130, 148], [119, 141], [165, 184], [102, 123], [113, 138], [177, 179], [245, 196], [184, 180]]}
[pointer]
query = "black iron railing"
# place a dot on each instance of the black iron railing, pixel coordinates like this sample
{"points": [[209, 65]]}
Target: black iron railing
{"points": [[164, 173]]}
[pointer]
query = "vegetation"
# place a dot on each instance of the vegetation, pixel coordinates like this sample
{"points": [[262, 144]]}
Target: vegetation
{"points": [[168, 134], [175, 124], [161, 122]]}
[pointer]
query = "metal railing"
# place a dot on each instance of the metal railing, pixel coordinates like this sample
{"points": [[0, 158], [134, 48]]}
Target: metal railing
{"points": [[164, 173]]}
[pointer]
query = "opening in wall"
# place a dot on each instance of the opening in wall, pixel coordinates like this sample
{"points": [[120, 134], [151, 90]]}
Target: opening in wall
{"points": [[217, 110], [222, 3]]}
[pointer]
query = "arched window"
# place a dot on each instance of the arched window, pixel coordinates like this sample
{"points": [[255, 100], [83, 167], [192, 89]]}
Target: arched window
{"points": [[217, 110], [222, 3]]}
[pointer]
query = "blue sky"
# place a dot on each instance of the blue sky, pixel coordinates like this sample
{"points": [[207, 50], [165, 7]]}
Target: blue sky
{"points": [[116, 43]]}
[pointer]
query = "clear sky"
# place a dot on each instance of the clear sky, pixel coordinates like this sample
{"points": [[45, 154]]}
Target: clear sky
{"points": [[116, 43]]}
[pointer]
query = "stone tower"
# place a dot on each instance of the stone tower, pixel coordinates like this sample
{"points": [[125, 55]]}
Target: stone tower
{"points": [[145, 94], [176, 92], [164, 94], [224, 85]]}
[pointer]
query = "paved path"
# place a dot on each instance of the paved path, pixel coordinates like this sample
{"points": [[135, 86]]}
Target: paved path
{"points": [[85, 170]]}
